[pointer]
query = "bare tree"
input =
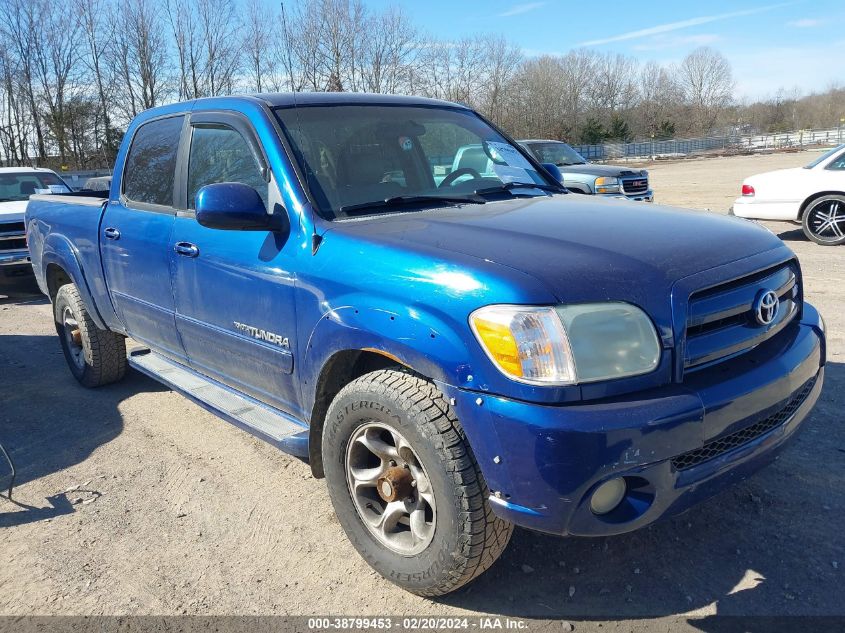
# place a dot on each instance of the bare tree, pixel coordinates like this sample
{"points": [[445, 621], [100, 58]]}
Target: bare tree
{"points": [[218, 27], [139, 54], [390, 51], [258, 38], [181, 20], [501, 60], [70, 80], [56, 57], [92, 15], [579, 70], [539, 100], [14, 128], [21, 28], [614, 85], [659, 98], [707, 82]]}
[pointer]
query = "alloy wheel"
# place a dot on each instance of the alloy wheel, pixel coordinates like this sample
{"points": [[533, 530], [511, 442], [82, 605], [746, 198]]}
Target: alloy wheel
{"points": [[390, 489]]}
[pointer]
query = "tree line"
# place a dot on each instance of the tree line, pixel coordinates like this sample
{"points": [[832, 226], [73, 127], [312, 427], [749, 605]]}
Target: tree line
{"points": [[72, 79]]}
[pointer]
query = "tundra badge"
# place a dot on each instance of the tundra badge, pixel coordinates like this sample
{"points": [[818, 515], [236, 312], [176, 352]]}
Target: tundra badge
{"points": [[263, 335]]}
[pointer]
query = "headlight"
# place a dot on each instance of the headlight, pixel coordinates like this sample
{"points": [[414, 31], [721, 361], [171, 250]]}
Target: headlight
{"points": [[607, 185], [568, 344]]}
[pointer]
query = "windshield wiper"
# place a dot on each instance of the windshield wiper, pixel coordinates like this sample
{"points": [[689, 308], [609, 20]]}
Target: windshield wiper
{"points": [[410, 200], [510, 186]]}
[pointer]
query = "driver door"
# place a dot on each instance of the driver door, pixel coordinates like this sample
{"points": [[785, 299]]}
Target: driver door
{"points": [[232, 285]]}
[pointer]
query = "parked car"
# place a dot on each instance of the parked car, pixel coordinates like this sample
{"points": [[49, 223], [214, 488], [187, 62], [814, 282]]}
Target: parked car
{"points": [[580, 176], [98, 183], [16, 185], [813, 195], [455, 356]]}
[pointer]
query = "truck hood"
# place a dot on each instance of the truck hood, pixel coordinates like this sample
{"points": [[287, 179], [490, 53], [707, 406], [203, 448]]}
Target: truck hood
{"points": [[582, 249], [12, 211], [602, 170]]}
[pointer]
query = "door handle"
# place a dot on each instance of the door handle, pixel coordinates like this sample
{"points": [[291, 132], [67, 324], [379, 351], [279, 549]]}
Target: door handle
{"points": [[111, 234], [187, 249]]}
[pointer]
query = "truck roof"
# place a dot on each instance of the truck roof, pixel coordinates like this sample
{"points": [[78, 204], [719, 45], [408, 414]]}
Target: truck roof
{"points": [[289, 99], [282, 99]]}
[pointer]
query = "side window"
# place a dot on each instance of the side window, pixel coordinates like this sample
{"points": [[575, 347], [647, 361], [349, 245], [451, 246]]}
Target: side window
{"points": [[837, 164], [151, 164], [220, 154]]}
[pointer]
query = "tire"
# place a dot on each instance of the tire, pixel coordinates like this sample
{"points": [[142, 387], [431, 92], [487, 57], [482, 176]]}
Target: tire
{"points": [[459, 536], [96, 357], [824, 220]]}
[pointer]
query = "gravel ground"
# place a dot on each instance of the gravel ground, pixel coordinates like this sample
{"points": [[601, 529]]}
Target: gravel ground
{"points": [[131, 500]]}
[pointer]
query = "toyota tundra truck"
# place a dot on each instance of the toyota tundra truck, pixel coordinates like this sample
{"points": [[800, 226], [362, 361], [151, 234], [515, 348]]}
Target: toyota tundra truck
{"points": [[456, 350]]}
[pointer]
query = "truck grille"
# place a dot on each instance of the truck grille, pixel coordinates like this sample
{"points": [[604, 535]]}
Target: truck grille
{"points": [[12, 236], [729, 442], [635, 185], [722, 321]]}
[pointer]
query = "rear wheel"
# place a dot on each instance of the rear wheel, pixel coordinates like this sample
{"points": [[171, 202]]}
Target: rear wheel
{"points": [[824, 220], [405, 485], [96, 357]]}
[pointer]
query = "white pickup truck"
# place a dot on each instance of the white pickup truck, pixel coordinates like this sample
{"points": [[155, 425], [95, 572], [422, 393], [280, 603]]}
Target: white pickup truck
{"points": [[16, 185], [813, 195]]}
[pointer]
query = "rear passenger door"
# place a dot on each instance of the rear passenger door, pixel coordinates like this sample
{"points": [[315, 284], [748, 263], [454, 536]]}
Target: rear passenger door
{"points": [[135, 240], [230, 285]]}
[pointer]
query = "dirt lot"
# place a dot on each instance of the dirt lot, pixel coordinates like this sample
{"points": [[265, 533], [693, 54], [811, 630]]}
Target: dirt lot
{"points": [[131, 500]]}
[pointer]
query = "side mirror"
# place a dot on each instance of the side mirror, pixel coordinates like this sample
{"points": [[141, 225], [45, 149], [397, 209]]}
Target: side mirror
{"points": [[554, 171], [235, 207]]}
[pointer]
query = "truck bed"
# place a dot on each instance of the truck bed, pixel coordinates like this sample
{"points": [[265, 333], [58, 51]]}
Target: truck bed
{"points": [[64, 229], [87, 198]]}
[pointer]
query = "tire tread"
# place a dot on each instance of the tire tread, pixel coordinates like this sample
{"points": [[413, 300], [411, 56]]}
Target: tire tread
{"points": [[484, 536], [105, 354]]}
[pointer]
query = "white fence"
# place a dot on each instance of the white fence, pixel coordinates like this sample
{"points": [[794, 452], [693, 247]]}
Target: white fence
{"points": [[734, 142]]}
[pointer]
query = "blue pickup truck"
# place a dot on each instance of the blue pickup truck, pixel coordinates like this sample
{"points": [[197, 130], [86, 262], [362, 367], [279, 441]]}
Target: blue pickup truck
{"points": [[457, 349]]}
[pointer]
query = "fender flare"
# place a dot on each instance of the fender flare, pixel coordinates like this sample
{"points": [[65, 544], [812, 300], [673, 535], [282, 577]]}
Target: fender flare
{"points": [[59, 251], [419, 340]]}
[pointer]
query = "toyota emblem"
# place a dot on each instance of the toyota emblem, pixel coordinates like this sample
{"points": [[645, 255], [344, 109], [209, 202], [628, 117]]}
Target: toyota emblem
{"points": [[766, 307]]}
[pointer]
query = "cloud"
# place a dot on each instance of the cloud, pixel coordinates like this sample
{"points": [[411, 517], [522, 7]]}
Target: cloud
{"points": [[519, 9], [683, 24], [662, 42], [805, 23]]}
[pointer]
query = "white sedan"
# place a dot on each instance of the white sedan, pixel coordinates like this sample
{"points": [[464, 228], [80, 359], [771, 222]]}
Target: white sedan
{"points": [[813, 195]]}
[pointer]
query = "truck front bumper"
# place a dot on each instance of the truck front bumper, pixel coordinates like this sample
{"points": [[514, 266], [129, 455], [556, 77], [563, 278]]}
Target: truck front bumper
{"points": [[673, 446], [14, 264], [645, 196]]}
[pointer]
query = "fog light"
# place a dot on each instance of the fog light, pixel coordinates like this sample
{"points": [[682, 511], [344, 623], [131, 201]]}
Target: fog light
{"points": [[608, 496]]}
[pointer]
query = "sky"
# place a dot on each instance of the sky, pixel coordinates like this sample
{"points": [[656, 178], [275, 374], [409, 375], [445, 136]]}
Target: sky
{"points": [[770, 45]]}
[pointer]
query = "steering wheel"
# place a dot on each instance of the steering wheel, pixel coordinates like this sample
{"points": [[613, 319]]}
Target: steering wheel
{"points": [[463, 171]]}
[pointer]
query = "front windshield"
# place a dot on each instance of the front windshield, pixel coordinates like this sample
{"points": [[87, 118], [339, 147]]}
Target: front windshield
{"points": [[558, 153], [825, 156], [364, 159], [16, 186]]}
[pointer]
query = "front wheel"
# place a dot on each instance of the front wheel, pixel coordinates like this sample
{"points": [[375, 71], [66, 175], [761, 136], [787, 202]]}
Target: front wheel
{"points": [[824, 220], [405, 485]]}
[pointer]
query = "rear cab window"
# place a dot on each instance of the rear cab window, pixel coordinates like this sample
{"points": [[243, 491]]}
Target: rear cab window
{"points": [[150, 169]]}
